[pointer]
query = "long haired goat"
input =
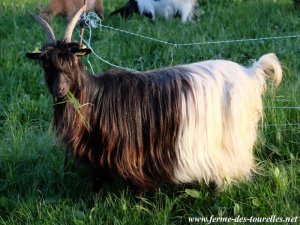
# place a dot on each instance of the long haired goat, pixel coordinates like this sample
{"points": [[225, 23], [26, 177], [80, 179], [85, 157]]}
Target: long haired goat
{"points": [[187, 10], [183, 124]]}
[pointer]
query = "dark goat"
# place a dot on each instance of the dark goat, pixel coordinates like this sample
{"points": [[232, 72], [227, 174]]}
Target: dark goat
{"points": [[182, 124]]}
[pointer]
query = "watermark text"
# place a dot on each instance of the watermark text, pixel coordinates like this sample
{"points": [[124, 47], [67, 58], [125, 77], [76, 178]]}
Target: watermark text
{"points": [[241, 219]]}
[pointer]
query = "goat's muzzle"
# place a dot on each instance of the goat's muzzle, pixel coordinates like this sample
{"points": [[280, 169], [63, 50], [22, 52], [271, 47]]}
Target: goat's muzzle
{"points": [[60, 92]]}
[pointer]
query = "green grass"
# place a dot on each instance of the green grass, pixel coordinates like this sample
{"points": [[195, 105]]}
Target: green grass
{"points": [[33, 188]]}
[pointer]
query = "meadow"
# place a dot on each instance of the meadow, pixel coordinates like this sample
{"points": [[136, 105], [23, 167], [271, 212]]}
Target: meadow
{"points": [[34, 189]]}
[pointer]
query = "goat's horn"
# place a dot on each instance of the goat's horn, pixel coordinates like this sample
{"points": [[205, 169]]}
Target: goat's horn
{"points": [[47, 28], [71, 25]]}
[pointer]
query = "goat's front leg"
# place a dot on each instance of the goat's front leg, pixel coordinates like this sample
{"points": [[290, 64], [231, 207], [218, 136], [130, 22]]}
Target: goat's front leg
{"points": [[67, 163], [100, 176], [97, 181]]}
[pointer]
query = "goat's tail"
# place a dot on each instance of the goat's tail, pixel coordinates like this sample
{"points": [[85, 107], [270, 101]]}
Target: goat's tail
{"points": [[271, 67]]}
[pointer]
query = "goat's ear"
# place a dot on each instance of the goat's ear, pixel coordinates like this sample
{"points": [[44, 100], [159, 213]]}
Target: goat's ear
{"points": [[82, 51], [34, 55]]}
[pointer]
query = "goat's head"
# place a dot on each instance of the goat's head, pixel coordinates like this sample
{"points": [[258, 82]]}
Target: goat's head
{"points": [[60, 59]]}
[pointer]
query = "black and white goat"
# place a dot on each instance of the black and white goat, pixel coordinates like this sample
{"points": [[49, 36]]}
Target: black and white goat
{"points": [[183, 124], [187, 10]]}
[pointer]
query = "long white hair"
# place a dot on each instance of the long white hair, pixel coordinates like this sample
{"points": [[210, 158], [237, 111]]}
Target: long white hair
{"points": [[219, 120]]}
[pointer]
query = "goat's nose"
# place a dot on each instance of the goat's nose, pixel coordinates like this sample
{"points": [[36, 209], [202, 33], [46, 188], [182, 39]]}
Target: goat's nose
{"points": [[60, 91]]}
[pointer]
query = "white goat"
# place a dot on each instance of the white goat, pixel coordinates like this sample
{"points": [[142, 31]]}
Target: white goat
{"points": [[187, 10]]}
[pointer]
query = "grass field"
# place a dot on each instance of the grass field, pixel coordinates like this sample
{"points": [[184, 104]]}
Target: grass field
{"points": [[33, 188]]}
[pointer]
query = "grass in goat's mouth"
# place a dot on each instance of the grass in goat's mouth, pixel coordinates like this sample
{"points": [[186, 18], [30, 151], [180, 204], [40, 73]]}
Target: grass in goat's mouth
{"points": [[74, 101], [69, 98]]}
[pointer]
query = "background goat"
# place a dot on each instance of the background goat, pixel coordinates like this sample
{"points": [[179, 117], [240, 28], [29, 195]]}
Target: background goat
{"points": [[187, 123], [70, 7], [187, 10]]}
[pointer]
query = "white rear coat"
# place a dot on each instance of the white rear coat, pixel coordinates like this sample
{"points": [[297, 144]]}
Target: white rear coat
{"points": [[219, 120]]}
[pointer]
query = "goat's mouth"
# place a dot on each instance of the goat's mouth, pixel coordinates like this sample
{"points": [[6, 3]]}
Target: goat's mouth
{"points": [[60, 93], [57, 100]]}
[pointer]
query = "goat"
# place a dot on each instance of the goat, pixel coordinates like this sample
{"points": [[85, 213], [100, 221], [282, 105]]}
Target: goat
{"points": [[183, 124], [69, 8], [187, 10]]}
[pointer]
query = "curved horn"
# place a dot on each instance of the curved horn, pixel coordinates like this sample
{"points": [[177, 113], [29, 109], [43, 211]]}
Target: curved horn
{"points": [[47, 28], [72, 24]]}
